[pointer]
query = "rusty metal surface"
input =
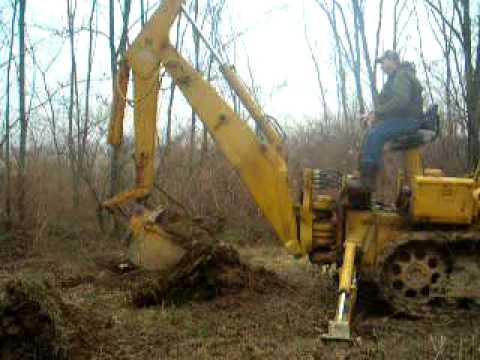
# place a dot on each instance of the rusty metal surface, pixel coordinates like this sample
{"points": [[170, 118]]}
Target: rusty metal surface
{"points": [[428, 272]]}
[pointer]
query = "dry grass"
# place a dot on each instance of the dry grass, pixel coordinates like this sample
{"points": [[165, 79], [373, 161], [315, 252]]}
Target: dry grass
{"points": [[282, 322]]}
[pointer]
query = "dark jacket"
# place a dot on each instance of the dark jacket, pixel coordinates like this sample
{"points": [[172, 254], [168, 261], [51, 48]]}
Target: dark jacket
{"points": [[401, 95]]}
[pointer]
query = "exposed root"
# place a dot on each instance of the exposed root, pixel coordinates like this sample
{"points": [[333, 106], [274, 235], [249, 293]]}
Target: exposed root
{"points": [[205, 272]]}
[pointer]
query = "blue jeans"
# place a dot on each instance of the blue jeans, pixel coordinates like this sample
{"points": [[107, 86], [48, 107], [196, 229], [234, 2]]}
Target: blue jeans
{"points": [[381, 133]]}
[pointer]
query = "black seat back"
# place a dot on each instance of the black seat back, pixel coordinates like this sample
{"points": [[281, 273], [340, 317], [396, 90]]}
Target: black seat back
{"points": [[428, 132]]}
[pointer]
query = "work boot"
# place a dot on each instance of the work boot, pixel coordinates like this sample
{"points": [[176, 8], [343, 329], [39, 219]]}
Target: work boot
{"points": [[368, 182], [360, 188], [368, 177]]}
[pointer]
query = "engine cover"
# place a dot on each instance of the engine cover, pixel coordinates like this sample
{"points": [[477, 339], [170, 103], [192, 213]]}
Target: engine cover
{"points": [[443, 200]]}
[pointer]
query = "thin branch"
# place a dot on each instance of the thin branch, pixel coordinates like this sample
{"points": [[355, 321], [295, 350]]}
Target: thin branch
{"points": [[458, 35]]}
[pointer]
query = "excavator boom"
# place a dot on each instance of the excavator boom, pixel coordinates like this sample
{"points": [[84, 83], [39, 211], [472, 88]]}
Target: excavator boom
{"points": [[261, 167]]}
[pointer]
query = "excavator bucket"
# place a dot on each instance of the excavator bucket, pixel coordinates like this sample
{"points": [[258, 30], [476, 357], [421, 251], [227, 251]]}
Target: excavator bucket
{"points": [[151, 247]]}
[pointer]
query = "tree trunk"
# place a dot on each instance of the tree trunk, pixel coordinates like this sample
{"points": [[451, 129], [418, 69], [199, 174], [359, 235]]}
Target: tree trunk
{"points": [[114, 54], [205, 129], [22, 114], [196, 39], [341, 75], [171, 100], [395, 25], [143, 15], [358, 67], [319, 77], [8, 195], [472, 126], [360, 19], [86, 122], [115, 150], [377, 44], [73, 149]]}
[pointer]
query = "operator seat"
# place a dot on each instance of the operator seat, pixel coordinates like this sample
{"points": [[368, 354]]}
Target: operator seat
{"points": [[427, 133]]}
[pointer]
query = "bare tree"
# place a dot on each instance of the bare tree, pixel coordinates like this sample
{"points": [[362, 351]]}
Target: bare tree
{"points": [[115, 53], [424, 62], [398, 10], [196, 41], [319, 76], [8, 195], [340, 50], [86, 121], [357, 56], [461, 26], [214, 12], [178, 42], [358, 11], [73, 108], [377, 39], [22, 113], [143, 15], [351, 47], [115, 149]]}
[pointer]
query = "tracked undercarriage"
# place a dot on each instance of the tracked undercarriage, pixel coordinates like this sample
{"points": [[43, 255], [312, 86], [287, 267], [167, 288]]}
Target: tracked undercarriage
{"points": [[427, 272]]}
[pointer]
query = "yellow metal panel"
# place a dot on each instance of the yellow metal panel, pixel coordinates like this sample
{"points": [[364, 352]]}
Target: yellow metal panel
{"points": [[443, 200], [145, 114], [387, 227], [143, 53], [348, 266], [115, 133], [413, 163], [357, 226]]}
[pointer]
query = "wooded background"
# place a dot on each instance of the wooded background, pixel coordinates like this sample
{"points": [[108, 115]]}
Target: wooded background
{"points": [[57, 168]]}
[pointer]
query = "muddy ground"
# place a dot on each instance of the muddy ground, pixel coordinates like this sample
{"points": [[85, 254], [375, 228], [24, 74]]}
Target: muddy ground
{"points": [[282, 319]]}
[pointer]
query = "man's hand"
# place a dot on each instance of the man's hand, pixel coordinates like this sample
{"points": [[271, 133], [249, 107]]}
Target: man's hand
{"points": [[368, 119], [371, 118]]}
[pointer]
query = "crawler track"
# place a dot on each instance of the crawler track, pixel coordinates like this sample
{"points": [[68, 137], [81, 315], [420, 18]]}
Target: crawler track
{"points": [[428, 272]]}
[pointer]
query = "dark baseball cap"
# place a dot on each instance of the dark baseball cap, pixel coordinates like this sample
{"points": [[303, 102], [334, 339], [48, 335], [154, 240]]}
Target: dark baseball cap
{"points": [[390, 55]]}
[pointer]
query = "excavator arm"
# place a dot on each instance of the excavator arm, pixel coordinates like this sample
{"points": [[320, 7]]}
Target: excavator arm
{"points": [[260, 164]]}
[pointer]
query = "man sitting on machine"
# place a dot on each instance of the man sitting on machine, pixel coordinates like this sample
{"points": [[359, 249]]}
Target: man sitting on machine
{"points": [[398, 110]]}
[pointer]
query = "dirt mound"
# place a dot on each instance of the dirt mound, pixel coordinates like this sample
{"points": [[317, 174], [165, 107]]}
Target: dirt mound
{"points": [[204, 273], [31, 321], [35, 323], [208, 268]]}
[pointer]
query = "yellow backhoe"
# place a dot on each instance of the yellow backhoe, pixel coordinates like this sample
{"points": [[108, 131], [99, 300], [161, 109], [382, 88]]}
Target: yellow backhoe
{"points": [[423, 253]]}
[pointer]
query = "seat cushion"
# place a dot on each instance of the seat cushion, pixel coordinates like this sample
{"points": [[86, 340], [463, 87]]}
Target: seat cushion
{"points": [[419, 138]]}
